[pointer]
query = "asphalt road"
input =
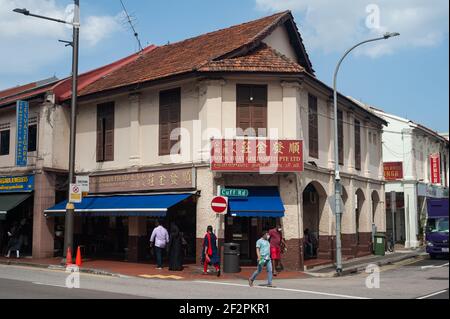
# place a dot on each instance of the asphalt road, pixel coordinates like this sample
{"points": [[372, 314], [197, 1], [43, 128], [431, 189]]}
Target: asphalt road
{"points": [[406, 280]]}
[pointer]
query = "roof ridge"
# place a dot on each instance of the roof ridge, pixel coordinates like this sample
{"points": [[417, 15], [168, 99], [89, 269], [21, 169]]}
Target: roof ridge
{"points": [[260, 35], [226, 28]]}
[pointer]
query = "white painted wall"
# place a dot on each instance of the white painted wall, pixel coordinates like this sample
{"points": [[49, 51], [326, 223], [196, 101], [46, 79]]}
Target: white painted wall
{"points": [[279, 40]]}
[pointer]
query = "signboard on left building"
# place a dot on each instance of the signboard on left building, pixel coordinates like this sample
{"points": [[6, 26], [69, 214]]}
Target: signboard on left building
{"points": [[13, 184], [22, 109], [393, 171]]}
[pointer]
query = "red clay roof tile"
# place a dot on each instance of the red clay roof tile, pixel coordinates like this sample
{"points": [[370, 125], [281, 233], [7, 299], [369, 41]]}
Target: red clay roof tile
{"points": [[193, 54], [262, 59]]}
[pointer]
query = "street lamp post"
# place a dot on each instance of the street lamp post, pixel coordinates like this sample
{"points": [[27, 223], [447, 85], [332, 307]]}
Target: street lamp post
{"points": [[337, 178], [70, 209]]}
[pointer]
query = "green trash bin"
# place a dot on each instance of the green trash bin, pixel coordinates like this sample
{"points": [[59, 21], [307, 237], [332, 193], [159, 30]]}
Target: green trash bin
{"points": [[379, 244]]}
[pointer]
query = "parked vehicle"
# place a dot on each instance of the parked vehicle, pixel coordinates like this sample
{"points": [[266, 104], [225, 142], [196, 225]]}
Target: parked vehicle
{"points": [[437, 227]]}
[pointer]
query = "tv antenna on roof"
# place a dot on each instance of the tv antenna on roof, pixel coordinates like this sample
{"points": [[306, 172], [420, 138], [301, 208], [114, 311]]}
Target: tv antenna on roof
{"points": [[128, 18]]}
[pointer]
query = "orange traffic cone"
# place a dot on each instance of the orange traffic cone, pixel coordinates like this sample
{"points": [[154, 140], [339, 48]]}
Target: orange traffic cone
{"points": [[78, 259], [68, 257]]}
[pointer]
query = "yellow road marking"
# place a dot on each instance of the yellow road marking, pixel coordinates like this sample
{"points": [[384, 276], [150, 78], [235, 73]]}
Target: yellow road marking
{"points": [[161, 277]]}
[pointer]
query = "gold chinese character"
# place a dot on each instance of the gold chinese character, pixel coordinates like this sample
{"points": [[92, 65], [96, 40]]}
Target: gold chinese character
{"points": [[245, 147], [261, 147], [174, 179], [151, 180], [187, 177], [162, 180], [278, 148], [294, 147]]}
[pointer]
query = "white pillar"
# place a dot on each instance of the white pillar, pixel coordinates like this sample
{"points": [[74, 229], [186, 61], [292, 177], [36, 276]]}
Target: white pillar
{"points": [[411, 216], [135, 136]]}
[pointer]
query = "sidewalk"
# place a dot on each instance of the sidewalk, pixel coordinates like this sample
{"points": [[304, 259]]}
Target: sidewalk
{"points": [[145, 270], [357, 265]]}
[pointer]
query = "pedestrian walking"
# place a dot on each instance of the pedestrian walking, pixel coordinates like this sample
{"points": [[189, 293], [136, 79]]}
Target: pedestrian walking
{"points": [[210, 252], [175, 249], [263, 253], [16, 240], [159, 240], [276, 244]]}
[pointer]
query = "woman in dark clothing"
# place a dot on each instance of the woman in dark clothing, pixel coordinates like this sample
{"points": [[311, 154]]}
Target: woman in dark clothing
{"points": [[210, 252], [16, 240], [175, 249]]}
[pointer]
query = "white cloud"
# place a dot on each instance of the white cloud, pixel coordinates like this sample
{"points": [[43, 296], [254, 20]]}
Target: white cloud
{"points": [[30, 44], [332, 26]]}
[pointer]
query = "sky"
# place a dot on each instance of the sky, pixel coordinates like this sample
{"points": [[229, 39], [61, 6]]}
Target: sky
{"points": [[407, 75]]}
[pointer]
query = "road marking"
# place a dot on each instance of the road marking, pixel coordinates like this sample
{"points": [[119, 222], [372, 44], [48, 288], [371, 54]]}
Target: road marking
{"points": [[42, 284], [433, 266], [161, 277], [433, 294], [283, 289]]}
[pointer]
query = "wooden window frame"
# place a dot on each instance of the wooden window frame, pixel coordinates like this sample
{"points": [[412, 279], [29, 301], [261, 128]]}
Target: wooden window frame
{"points": [[313, 126], [257, 122], [105, 132], [357, 145], [30, 127], [173, 120], [341, 136], [8, 150]]}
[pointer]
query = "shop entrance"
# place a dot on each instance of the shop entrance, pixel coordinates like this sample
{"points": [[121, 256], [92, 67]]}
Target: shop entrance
{"points": [[314, 197], [19, 222], [245, 231]]}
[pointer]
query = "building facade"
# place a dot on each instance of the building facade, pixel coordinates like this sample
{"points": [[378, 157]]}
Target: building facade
{"points": [[27, 190], [422, 158], [255, 75], [147, 126]]}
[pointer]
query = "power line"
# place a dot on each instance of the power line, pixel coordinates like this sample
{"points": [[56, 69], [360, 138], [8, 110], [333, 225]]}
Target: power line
{"points": [[136, 35]]}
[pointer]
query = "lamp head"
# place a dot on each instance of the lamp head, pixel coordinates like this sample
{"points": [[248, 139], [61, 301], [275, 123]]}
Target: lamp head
{"points": [[388, 35], [22, 11]]}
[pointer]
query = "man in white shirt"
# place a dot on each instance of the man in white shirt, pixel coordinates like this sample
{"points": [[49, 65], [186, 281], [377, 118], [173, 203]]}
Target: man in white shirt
{"points": [[159, 239]]}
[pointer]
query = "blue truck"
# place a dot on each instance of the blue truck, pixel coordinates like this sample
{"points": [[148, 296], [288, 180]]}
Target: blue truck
{"points": [[437, 227]]}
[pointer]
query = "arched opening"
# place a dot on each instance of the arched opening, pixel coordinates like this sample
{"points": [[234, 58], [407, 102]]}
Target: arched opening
{"points": [[359, 201], [314, 197]]}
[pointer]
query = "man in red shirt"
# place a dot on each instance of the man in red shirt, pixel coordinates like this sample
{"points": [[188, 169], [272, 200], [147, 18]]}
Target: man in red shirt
{"points": [[276, 243]]}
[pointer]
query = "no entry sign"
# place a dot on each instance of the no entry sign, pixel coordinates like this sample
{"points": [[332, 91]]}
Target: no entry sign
{"points": [[219, 204]]}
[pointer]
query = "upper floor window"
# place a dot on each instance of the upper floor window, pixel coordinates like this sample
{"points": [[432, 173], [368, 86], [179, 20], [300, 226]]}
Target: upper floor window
{"points": [[357, 145], [313, 127], [341, 137], [32, 135], [251, 109], [169, 118], [4, 142], [105, 132]]}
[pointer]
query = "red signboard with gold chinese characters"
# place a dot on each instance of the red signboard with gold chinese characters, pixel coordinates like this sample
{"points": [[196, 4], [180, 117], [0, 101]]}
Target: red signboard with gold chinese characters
{"points": [[256, 155], [393, 171], [435, 163]]}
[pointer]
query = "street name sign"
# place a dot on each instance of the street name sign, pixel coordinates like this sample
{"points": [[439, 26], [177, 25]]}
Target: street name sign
{"points": [[234, 192]]}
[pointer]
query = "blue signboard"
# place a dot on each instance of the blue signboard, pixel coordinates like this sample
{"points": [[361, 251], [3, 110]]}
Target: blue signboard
{"points": [[22, 133], [13, 184]]}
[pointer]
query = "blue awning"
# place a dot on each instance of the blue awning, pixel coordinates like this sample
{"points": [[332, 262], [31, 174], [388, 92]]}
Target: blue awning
{"points": [[261, 202], [121, 205]]}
